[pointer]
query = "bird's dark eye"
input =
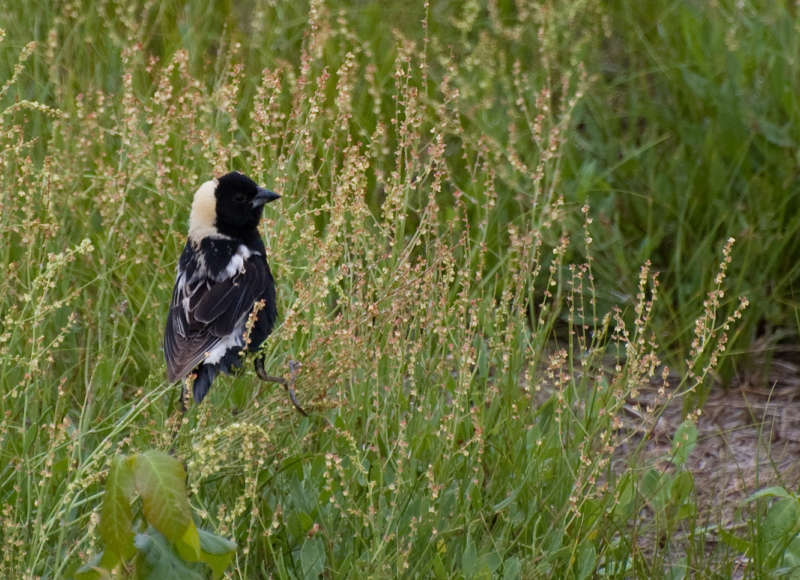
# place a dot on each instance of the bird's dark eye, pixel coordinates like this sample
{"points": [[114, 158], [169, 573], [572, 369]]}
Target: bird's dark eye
{"points": [[239, 197]]}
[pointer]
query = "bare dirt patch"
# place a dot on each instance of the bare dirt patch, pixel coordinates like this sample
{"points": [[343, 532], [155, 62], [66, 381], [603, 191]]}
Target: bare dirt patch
{"points": [[748, 439]]}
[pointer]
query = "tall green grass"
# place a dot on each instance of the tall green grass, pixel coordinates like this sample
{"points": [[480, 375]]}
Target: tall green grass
{"points": [[497, 221], [689, 136]]}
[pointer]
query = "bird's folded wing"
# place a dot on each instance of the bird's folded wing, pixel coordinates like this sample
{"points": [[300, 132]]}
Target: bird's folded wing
{"points": [[204, 311]]}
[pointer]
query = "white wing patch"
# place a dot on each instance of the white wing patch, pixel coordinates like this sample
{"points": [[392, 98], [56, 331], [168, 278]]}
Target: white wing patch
{"points": [[236, 264], [234, 339], [180, 284]]}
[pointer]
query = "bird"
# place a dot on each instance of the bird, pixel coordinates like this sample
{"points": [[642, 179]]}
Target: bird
{"points": [[223, 303]]}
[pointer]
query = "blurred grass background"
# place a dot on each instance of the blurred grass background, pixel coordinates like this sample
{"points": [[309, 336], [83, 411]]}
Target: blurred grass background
{"points": [[690, 135], [433, 256]]}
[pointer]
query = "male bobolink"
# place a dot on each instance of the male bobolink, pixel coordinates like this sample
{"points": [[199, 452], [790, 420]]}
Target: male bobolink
{"points": [[222, 274]]}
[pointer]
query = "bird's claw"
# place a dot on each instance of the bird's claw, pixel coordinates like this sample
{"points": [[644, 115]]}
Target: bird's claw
{"points": [[294, 370], [288, 384]]}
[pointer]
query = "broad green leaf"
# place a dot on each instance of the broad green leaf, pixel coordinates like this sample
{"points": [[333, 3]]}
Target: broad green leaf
{"points": [[531, 436], [554, 540], [625, 505], [697, 83], [211, 543], [774, 491], [587, 556], [116, 517], [158, 561], [98, 567], [490, 562], [312, 557], [188, 545], [504, 503], [655, 488], [469, 559], [678, 570], [779, 135], [160, 482], [740, 545], [438, 567], [682, 487], [791, 556], [687, 510], [683, 442], [781, 522], [298, 523], [216, 551], [512, 568]]}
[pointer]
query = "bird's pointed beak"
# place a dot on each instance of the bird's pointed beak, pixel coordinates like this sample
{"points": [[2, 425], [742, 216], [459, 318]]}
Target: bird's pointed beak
{"points": [[264, 196]]}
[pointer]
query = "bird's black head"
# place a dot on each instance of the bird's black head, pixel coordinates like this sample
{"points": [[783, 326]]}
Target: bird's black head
{"points": [[239, 203]]}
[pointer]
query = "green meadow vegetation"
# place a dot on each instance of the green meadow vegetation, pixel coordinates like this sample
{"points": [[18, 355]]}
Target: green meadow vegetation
{"points": [[502, 222]]}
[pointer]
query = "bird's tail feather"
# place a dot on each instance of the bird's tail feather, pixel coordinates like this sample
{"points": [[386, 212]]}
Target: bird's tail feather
{"points": [[205, 375]]}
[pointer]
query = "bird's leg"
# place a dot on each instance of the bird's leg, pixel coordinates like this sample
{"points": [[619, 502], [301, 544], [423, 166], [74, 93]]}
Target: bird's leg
{"points": [[288, 384], [182, 408], [183, 399]]}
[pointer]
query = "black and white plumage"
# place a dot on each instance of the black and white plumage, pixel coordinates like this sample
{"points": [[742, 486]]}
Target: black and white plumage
{"points": [[222, 273]]}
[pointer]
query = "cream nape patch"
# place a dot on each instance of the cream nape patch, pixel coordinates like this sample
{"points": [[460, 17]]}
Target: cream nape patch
{"points": [[204, 212]]}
